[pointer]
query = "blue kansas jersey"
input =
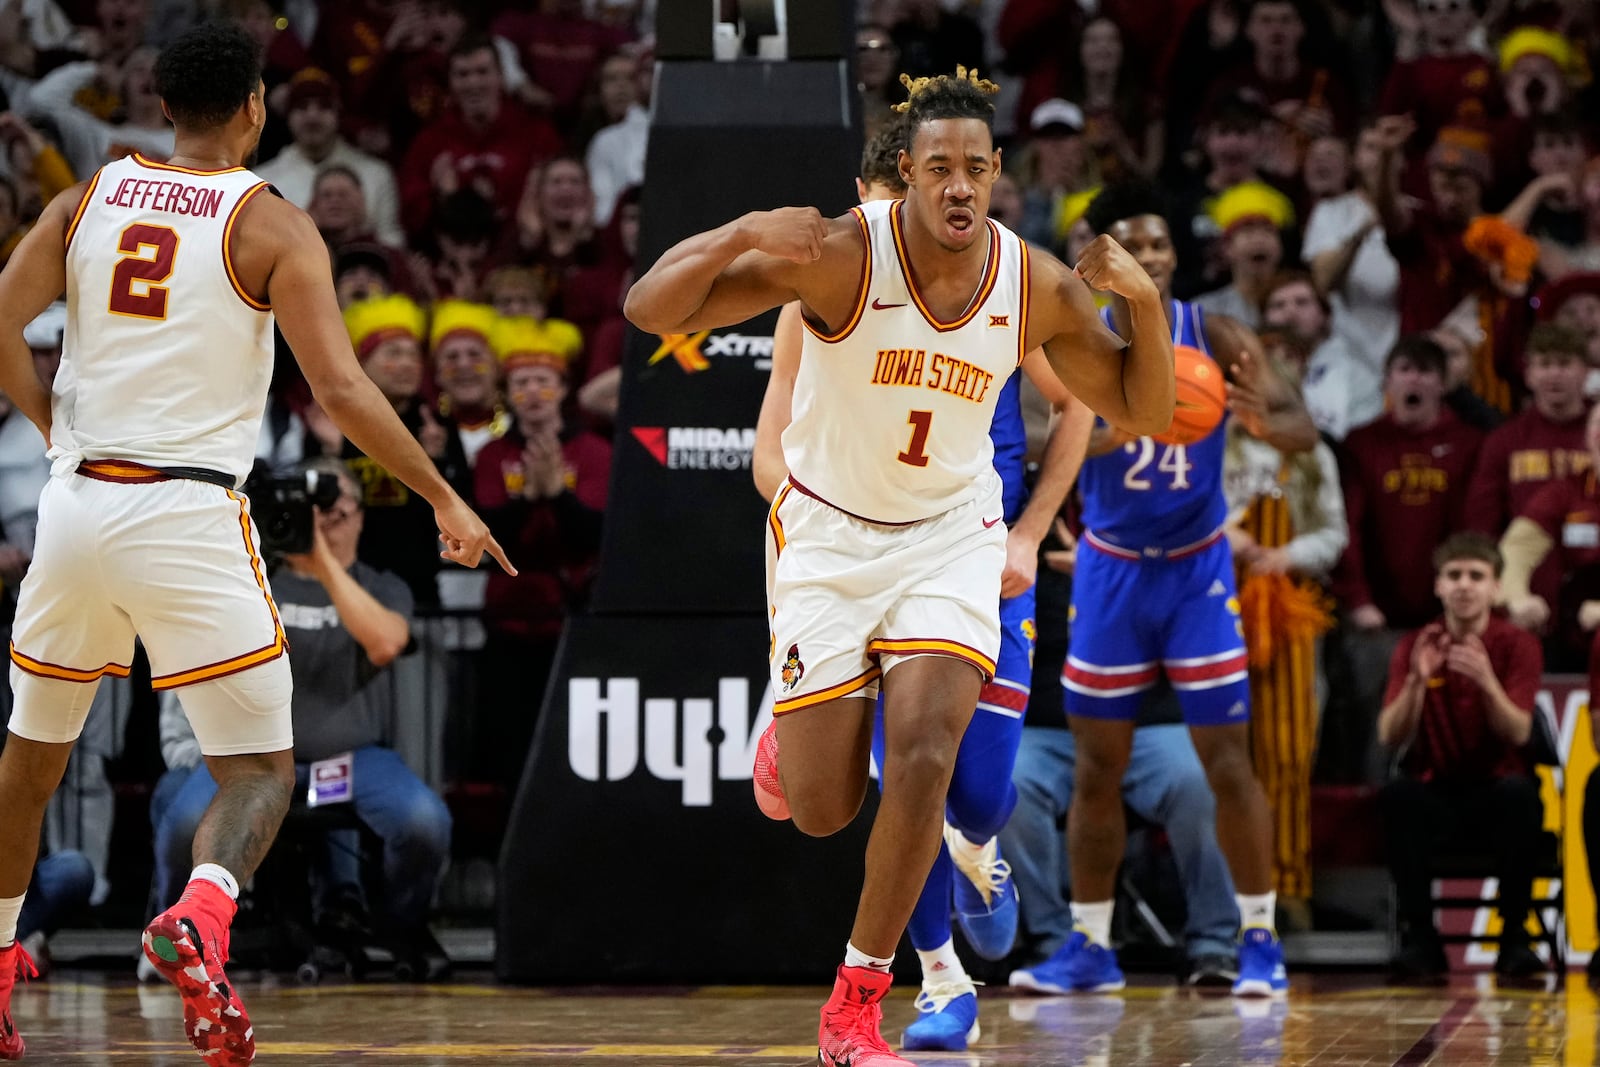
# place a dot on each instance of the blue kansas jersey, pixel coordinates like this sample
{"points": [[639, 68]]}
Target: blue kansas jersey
{"points": [[1150, 495], [1010, 439], [1154, 590]]}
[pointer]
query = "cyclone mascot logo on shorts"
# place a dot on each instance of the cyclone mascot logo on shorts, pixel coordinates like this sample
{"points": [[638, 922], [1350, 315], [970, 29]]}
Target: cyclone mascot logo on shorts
{"points": [[793, 669]]}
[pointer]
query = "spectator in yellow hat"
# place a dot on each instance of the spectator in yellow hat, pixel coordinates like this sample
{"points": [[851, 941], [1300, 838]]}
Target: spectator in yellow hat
{"points": [[1251, 217], [542, 489], [399, 534], [1535, 68], [468, 375]]}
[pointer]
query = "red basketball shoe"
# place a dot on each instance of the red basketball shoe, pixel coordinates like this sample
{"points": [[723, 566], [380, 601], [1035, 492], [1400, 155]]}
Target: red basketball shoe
{"points": [[769, 791], [14, 961], [852, 1020], [188, 944]]}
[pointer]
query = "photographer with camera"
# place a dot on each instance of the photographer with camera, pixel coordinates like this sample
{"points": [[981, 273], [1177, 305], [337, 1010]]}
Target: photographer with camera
{"points": [[346, 623]]}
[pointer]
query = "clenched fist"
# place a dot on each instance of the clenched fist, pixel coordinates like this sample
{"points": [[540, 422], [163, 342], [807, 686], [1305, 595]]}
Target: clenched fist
{"points": [[1105, 264], [793, 233]]}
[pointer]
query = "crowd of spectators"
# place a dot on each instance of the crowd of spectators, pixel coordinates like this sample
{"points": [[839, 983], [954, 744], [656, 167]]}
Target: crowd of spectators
{"points": [[1401, 196]]}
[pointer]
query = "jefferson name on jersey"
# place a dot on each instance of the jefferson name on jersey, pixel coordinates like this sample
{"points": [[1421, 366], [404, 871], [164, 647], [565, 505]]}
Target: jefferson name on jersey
{"points": [[949, 374], [177, 198]]}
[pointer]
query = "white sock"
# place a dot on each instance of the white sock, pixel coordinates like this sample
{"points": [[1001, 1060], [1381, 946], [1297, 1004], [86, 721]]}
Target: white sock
{"points": [[1257, 910], [854, 957], [10, 908], [218, 876], [942, 964], [961, 841], [1095, 920]]}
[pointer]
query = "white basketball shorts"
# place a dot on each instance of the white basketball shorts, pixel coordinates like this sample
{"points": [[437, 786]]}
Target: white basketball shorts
{"points": [[173, 562], [849, 599]]}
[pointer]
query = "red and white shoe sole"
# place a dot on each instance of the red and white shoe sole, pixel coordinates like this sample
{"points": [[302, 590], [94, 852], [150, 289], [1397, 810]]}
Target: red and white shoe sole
{"points": [[213, 1019]]}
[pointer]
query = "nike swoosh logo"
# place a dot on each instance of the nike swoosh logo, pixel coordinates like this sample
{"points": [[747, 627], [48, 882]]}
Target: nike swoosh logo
{"points": [[988, 524], [877, 305]]}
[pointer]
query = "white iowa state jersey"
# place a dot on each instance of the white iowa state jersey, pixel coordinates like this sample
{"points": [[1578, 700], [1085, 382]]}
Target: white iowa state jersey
{"points": [[891, 414], [166, 360]]}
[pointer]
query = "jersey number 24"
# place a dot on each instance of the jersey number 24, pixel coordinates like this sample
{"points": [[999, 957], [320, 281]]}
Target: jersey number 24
{"points": [[1173, 461]]}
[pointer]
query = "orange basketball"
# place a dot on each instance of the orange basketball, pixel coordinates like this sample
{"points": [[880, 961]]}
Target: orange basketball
{"points": [[1202, 400]]}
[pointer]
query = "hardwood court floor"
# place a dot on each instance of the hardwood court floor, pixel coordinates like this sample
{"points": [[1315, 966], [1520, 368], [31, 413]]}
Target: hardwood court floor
{"points": [[1327, 1022]]}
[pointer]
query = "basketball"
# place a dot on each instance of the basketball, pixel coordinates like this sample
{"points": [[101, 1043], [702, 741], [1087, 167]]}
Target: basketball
{"points": [[1201, 398]]}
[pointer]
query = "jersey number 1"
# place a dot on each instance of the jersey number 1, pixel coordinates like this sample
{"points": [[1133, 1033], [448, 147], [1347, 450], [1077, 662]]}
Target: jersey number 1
{"points": [[916, 454], [148, 257]]}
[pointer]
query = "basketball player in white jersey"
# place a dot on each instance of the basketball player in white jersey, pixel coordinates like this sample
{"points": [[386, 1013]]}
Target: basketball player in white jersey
{"points": [[888, 541], [173, 274]]}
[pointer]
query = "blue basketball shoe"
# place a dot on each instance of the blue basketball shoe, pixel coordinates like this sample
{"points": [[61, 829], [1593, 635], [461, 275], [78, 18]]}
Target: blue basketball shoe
{"points": [[947, 1017], [1079, 966], [1261, 972], [985, 895]]}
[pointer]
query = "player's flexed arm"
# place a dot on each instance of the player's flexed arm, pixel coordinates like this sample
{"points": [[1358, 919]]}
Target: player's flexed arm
{"points": [[1128, 383], [750, 265]]}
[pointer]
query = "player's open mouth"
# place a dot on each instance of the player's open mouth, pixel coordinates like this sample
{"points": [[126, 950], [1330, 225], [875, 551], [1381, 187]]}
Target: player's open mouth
{"points": [[1411, 400], [959, 220]]}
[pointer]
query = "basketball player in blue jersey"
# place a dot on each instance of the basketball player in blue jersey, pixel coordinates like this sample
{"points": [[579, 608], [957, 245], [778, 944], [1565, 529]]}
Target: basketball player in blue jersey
{"points": [[981, 795], [886, 543], [1154, 591]]}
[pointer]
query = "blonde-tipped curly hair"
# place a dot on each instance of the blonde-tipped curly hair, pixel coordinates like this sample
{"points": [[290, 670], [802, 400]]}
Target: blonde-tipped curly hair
{"points": [[963, 95]]}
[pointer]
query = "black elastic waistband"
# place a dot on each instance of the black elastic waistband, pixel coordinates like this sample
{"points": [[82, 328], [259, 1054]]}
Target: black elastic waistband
{"points": [[131, 473]]}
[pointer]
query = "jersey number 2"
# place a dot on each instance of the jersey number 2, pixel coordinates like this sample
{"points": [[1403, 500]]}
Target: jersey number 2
{"points": [[916, 454], [1174, 461], [136, 287]]}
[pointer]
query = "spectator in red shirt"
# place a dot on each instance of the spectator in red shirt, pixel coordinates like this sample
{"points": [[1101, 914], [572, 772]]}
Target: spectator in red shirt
{"points": [[542, 491], [1543, 444], [1405, 480], [1459, 713], [1438, 77], [1562, 519], [1436, 271], [484, 141]]}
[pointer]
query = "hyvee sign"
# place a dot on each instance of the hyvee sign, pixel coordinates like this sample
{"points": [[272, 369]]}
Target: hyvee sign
{"points": [[695, 741]]}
